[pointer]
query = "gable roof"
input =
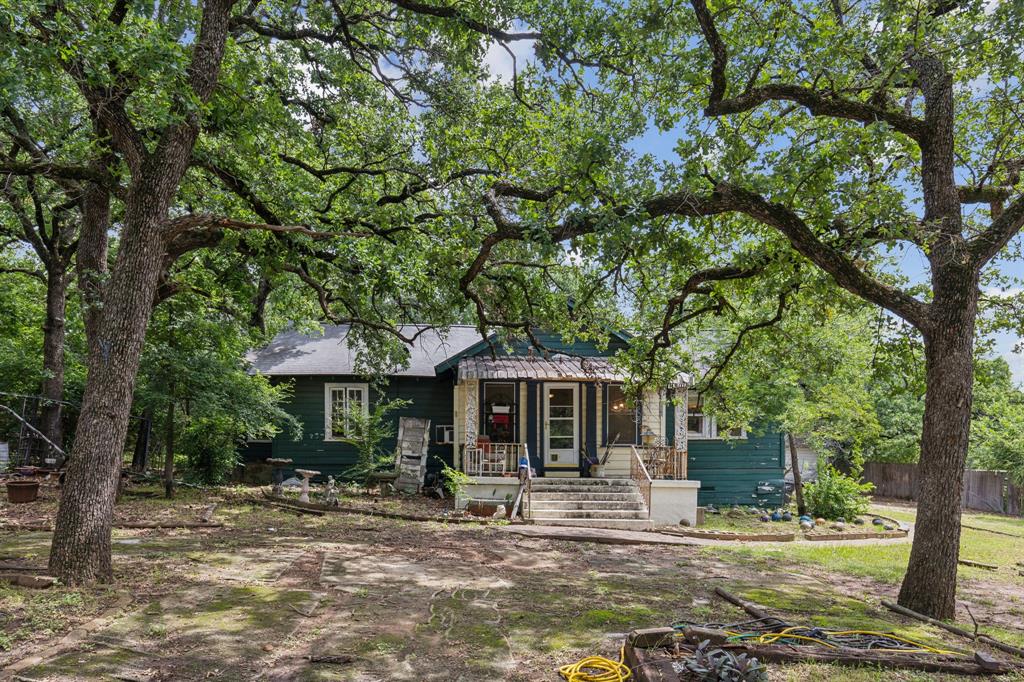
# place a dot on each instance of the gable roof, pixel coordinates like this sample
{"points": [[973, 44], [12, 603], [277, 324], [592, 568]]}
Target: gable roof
{"points": [[293, 353]]}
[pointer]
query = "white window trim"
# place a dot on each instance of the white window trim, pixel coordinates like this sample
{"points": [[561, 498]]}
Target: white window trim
{"points": [[328, 390], [710, 428]]}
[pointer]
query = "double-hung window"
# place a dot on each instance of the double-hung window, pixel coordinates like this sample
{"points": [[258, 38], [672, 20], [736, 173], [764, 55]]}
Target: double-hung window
{"points": [[341, 402]]}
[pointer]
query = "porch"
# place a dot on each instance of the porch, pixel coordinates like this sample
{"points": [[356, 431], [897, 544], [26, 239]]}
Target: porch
{"points": [[568, 416], [558, 438]]}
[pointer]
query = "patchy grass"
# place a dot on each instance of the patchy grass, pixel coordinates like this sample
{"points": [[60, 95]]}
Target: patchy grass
{"points": [[30, 615], [430, 601]]}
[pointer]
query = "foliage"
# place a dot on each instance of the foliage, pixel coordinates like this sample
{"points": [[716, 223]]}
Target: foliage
{"points": [[835, 495], [453, 481], [367, 430], [718, 665], [193, 360]]}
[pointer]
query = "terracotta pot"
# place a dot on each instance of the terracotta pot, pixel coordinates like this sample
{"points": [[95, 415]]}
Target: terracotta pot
{"points": [[22, 491]]}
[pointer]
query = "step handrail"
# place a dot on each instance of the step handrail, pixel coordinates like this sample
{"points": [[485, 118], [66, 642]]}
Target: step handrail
{"points": [[638, 472], [524, 485]]}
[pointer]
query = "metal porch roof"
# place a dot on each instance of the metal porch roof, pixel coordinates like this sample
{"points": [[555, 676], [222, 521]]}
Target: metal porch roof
{"points": [[562, 368]]}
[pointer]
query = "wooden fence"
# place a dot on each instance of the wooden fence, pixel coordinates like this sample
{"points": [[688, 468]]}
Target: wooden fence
{"points": [[990, 491]]}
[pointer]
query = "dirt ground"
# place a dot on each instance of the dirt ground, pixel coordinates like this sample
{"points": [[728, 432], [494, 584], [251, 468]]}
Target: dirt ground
{"points": [[276, 596]]}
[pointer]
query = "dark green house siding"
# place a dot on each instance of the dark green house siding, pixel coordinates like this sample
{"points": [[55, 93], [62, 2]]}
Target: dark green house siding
{"points": [[431, 398], [742, 471]]}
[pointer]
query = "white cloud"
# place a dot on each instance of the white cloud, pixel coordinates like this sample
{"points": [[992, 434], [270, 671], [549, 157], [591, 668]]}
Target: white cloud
{"points": [[499, 63], [1000, 292]]}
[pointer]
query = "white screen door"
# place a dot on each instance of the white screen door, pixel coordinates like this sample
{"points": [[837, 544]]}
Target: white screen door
{"points": [[561, 427]]}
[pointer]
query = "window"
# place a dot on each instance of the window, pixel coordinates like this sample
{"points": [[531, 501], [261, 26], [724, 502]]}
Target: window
{"points": [[699, 425], [623, 425], [341, 401], [444, 433], [500, 412]]}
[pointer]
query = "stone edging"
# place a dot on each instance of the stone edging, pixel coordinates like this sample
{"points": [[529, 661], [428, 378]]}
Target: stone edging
{"points": [[373, 512]]}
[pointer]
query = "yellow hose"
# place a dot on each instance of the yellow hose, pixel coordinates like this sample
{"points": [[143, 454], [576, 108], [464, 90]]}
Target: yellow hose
{"points": [[597, 669], [790, 633]]}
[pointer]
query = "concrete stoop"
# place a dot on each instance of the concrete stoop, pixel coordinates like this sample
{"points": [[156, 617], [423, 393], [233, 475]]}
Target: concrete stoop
{"points": [[588, 502]]}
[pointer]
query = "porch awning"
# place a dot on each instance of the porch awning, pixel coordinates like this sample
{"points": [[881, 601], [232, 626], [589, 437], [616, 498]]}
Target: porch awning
{"points": [[562, 368]]}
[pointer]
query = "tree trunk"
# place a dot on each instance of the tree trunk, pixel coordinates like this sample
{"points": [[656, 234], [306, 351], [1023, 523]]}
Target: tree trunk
{"points": [[53, 355], [80, 552], [140, 458], [929, 586], [169, 448], [92, 260], [798, 484]]}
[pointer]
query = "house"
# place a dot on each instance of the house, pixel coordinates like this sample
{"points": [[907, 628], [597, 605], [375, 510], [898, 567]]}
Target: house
{"points": [[565, 410]]}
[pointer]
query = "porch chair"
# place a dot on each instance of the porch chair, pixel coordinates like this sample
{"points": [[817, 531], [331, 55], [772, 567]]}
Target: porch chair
{"points": [[411, 453]]}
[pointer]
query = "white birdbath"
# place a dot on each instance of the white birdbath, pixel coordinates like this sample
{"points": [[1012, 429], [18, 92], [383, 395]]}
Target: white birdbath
{"points": [[306, 475]]}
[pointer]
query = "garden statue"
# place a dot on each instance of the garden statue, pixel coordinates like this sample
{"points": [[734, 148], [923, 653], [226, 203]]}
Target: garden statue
{"points": [[331, 493]]}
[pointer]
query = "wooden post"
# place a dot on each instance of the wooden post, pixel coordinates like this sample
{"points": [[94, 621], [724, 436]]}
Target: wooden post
{"points": [[798, 485]]}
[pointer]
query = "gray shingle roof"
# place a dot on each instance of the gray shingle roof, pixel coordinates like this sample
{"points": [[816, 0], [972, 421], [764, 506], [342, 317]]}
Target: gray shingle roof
{"points": [[292, 353]]}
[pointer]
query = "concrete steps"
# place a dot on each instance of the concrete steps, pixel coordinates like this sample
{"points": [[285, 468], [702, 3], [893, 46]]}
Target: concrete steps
{"points": [[615, 524], [588, 502], [568, 505]]}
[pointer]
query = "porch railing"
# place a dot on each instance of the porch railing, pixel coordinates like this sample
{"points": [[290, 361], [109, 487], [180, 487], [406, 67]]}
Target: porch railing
{"points": [[492, 459], [663, 461], [638, 472]]}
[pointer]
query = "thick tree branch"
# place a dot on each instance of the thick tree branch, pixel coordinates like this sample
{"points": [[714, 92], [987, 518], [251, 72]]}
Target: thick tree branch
{"points": [[53, 170], [191, 222], [819, 103], [728, 198], [990, 242]]}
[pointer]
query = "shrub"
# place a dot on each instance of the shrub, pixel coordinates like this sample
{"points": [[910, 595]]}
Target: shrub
{"points": [[453, 481], [367, 433], [836, 495]]}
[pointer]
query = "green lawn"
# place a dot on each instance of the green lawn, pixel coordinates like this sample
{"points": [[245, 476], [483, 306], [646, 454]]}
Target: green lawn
{"points": [[887, 562]]}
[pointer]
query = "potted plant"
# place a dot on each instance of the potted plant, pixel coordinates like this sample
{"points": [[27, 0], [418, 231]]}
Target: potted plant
{"points": [[21, 491]]}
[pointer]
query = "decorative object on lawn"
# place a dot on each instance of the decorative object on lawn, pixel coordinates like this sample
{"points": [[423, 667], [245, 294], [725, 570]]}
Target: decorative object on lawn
{"points": [[306, 475], [22, 492], [411, 455], [331, 493], [279, 464], [713, 664]]}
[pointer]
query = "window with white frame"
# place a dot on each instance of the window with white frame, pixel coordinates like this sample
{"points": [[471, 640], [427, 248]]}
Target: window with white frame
{"points": [[700, 425], [340, 402]]}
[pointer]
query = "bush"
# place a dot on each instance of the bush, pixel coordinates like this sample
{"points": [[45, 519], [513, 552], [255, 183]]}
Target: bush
{"points": [[836, 495], [211, 445]]}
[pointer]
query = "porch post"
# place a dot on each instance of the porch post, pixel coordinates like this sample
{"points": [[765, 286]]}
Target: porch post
{"points": [[680, 408], [472, 406]]}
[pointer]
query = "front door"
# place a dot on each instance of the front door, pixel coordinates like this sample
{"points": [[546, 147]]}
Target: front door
{"points": [[561, 427]]}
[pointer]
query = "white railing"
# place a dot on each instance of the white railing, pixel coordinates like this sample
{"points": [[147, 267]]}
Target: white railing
{"points": [[663, 461], [492, 459]]}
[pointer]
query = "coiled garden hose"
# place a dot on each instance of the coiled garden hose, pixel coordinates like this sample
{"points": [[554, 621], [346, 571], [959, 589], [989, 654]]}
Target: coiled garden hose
{"points": [[597, 669]]}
